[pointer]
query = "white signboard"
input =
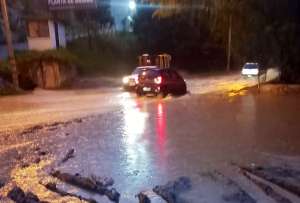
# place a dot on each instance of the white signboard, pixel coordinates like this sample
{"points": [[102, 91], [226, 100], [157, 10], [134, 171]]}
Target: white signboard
{"points": [[71, 4]]}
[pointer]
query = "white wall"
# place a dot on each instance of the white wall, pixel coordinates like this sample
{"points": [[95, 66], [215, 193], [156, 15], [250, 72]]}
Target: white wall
{"points": [[39, 44], [52, 34], [44, 43], [62, 35]]}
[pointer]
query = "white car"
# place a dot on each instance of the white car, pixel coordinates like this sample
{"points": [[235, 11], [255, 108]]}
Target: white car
{"points": [[250, 69], [130, 82]]}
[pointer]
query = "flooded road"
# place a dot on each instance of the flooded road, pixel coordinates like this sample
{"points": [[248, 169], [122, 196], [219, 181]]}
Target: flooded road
{"points": [[143, 142], [46, 106]]}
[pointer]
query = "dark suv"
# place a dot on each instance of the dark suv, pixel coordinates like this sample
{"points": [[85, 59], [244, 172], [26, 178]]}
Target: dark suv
{"points": [[160, 82]]}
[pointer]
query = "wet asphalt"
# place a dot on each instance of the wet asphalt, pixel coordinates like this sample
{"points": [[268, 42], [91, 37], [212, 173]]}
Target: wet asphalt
{"points": [[143, 142]]}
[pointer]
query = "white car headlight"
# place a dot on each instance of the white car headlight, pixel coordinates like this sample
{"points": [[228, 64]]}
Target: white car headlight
{"points": [[125, 80]]}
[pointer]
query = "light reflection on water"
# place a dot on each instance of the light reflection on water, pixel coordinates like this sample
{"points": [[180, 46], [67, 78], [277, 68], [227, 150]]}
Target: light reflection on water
{"points": [[135, 119], [144, 120], [161, 132]]}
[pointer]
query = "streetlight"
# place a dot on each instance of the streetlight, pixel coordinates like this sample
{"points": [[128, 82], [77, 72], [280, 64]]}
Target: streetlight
{"points": [[132, 5]]}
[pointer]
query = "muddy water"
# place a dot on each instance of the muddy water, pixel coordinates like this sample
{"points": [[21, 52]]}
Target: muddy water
{"points": [[46, 106], [142, 142], [147, 143]]}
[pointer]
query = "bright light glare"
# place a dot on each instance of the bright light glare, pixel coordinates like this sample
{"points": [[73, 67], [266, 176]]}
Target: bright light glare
{"points": [[125, 80], [250, 71], [158, 80], [129, 18], [132, 5], [136, 79]]}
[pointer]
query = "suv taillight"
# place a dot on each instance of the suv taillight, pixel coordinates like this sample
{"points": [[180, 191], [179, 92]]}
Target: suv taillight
{"points": [[158, 80]]}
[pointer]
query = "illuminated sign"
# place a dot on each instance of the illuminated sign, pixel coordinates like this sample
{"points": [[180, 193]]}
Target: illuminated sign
{"points": [[71, 4]]}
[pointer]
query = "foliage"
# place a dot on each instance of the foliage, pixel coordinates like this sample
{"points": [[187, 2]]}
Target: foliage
{"points": [[4, 68], [61, 55], [29, 59], [110, 54], [94, 45], [9, 91], [88, 23], [266, 31], [183, 35]]}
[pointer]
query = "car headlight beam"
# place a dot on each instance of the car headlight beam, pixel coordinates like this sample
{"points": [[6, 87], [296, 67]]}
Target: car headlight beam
{"points": [[125, 80]]}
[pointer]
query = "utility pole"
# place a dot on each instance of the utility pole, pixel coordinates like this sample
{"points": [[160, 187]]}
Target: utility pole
{"points": [[10, 49], [229, 43]]}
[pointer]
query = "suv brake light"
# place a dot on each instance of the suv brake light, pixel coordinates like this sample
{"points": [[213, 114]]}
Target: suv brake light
{"points": [[158, 80]]}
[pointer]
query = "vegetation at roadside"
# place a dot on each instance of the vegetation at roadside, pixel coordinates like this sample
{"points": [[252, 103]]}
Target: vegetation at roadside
{"points": [[26, 59], [28, 63], [265, 31], [195, 33], [10, 91], [189, 42], [108, 54]]}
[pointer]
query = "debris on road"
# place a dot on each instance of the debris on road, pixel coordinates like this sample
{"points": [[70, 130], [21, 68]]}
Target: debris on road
{"points": [[267, 189], [33, 129], [53, 187], [70, 154], [240, 195], [54, 126], [170, 192], [113, 195], [287, 179], [78, 120], [24, 165], [89, 184], [42, 153], [105, 181], [37, 160], [19, 196], [2, 183], [233, 193], [149, 197], [50, 127]]}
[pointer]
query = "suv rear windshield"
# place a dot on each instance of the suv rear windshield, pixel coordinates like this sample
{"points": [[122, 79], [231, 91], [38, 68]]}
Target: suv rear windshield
{"points": [[141, 69], [150, 73], [251, 66], [138, 70]]}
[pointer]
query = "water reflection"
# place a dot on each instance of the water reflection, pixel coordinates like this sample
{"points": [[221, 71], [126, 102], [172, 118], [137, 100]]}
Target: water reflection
{"points": [[135, 118], [134, 121], [161, 131], [161, 127]]}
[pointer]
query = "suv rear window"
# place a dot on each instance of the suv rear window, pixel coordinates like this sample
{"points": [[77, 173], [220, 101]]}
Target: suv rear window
{"points": [[150, 73], [251, 66], [138, 70]]}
